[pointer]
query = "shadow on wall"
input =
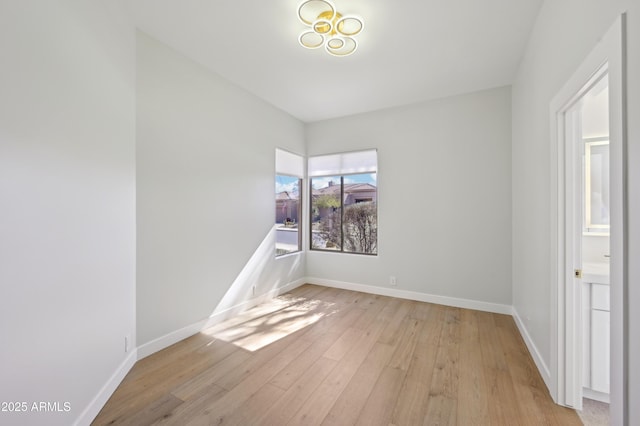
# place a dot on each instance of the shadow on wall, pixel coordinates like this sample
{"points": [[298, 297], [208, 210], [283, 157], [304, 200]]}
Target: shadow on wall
{"points": [[260, 279]]}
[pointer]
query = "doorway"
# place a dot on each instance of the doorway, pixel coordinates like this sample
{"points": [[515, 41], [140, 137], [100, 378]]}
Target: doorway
{"points": [[577, 215], [587, 207]]}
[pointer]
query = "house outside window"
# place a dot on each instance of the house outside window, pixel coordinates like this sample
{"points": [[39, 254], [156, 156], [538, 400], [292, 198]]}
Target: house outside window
{"points": [[343, 205], [288, 192]]}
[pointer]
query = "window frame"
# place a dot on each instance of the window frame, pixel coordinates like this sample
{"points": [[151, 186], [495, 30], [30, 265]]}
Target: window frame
{"points": [[298, 219], [289, 164]]}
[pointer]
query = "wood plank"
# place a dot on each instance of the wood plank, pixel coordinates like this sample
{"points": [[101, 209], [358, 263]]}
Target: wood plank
{"points": [[443, 393], [337, 317], [528, 383], [503, 406], [378, 409], [347, 408], [308, 291], [155, 411], [397, 314], [193, 407], [129, 399], [258, 359], [403, 354], [413, 397], [276, 326], [343, 344], [351, 314], [316, 408], [297, 368], [421, 311], [303, 295], [473, 407], [302, 390], [372, 311], [196, 385], [255, 407], [238, 323], [442, 410], [390, 309], [386, 362], [224, 408], [159, 360]]}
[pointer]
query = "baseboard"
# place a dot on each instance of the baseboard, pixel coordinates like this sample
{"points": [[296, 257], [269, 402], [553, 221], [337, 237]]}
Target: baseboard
{"points": [[218, 317], [94, 407], [413, 295], [89, 414], [533, 350], [169, 339], [596, 396], [449, 301]]}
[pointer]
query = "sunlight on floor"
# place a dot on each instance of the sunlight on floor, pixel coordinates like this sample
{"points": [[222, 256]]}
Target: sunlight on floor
{"points": [[270, 322]]}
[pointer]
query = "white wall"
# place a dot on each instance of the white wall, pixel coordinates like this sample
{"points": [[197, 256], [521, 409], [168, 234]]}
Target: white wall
{"points": [[595, 248], [205, 170], [565, 32], [67, 197], [444, 202], [595, 111]]}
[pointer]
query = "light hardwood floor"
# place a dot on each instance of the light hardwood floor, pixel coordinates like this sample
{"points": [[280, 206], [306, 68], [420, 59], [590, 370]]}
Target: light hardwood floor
{"points": [[325, 356]]}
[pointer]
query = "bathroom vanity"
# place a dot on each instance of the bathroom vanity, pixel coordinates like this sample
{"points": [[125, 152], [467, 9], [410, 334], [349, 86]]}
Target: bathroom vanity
{"points": [[596, 339]]}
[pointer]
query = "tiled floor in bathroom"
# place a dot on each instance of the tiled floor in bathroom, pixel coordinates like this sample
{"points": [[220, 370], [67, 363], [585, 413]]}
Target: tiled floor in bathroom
{"points": [[594, 413]]}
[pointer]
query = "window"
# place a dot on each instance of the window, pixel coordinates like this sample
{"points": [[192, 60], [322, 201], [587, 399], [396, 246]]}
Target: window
{"points": [[289, 171], [344, 214]]}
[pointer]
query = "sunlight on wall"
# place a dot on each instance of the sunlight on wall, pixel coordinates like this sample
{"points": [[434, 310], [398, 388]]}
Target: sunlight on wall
{"points": [[259, 281]]}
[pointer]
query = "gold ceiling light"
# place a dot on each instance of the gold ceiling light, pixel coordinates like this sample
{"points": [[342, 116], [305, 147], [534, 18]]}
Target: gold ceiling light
{"points": [[328, 28]]}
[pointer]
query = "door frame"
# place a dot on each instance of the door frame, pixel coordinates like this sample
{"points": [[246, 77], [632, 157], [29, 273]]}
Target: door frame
{"points": [[609, 53]]}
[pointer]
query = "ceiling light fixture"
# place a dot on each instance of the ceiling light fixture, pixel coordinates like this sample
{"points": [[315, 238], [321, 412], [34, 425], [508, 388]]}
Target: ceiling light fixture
{"points": [[328, 28]]}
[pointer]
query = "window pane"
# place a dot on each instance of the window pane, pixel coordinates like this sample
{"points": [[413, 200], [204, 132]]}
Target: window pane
{"points": [[360, 219], [287, 214], [325, 213]]}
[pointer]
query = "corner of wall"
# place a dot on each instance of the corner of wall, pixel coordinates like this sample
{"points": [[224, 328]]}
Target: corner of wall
{"points": [[97, 403], [533, 350], [413, 295], [169, 339]]}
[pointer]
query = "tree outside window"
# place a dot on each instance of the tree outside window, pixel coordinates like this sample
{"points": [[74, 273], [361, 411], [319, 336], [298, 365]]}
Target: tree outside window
{"points": [[344, 215]]}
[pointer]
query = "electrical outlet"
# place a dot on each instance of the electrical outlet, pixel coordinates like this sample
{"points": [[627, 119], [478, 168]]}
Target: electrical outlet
{"points": [[392, 280], [127, 343]]}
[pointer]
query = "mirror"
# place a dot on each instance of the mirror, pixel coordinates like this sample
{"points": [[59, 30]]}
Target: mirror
{"points": [[596, 183]]}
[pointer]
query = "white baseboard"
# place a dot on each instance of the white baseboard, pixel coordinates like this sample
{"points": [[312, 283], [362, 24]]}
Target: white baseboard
{"points": [[94, 407], [218, 317], [533, 350], [169, 339], [181, 334], [449, 301], [413, 295], [596, 396], [89, 414]]}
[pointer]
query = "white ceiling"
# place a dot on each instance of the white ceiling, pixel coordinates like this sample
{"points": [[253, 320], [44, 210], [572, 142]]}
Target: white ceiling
{"points": [[409, 51]]}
